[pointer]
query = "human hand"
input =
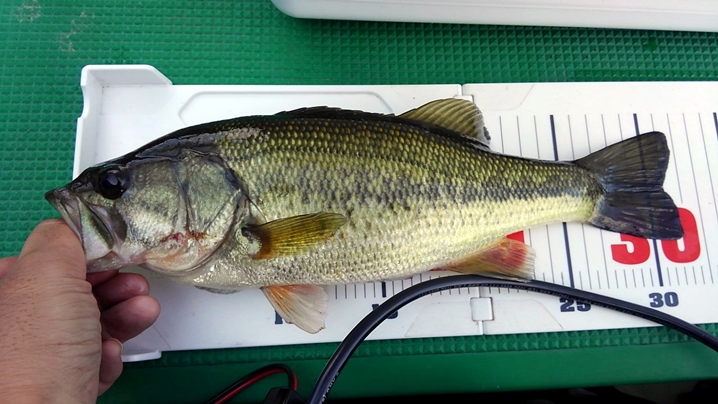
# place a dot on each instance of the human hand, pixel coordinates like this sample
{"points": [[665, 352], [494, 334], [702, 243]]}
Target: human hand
{"points": [[61, 329]]}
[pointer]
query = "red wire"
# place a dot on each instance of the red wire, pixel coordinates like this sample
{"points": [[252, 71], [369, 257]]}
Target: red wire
{"points": [[251, 381], [294, 381]]}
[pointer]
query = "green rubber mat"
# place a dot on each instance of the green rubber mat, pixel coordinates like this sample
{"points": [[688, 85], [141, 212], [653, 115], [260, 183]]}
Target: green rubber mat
{"points": [[43, 46]]}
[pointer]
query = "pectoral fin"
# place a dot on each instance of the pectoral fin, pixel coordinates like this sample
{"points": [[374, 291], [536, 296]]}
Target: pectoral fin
{"points": [[302, 305], [507, 259], [293, 235]]}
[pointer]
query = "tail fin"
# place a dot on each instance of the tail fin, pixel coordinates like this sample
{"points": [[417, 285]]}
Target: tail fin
{"points": [[632, 174]]}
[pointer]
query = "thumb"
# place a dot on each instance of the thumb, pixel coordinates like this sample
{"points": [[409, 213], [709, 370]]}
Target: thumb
{"points": [[52, 246], [6, 264]]}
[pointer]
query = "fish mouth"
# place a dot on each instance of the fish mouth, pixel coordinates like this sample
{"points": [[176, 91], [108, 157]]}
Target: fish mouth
{"points": [[99, 230], [68, 207]]}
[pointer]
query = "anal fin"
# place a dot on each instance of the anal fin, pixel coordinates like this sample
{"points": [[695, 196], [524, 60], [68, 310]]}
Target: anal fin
{"points": [[507, 259], [302, 305]]}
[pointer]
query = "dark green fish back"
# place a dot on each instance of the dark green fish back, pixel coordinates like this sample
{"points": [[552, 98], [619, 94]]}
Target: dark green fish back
{"points": [[412, 159]]}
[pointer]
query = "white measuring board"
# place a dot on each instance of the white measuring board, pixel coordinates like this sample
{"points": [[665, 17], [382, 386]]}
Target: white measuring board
{"points": [[127, 106]]}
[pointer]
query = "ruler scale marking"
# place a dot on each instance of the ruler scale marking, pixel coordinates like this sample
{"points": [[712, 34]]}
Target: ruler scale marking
{"points": [[650, 274], [568, 257], [583, 226], [528, 232], [588, 138], [603, 243], [585, 254], [633, 273], [565, 230], [550, 257], [695, 185], [605, 264], [713, 193], [570, 137], [603, 126], [518, 132], [675, 161], [538, 149], [655, 244], [501, 134]]}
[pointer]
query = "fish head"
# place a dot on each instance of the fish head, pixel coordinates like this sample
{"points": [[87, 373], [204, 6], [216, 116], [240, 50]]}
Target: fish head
{"points": [[168, 215]]}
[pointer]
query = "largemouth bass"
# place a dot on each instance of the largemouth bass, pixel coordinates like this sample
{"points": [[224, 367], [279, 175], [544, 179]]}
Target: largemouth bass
{"points": [[317, 196]]}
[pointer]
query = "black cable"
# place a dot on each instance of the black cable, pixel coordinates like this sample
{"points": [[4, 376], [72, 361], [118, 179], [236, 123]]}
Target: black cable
{"points": [[370, 322]]}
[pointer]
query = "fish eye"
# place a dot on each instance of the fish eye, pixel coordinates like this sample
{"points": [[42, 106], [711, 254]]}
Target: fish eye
{"points": [[112, 182]]}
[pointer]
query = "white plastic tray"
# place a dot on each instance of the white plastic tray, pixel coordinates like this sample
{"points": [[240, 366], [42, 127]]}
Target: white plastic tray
{"points": [[687, 15], [127, 106]]}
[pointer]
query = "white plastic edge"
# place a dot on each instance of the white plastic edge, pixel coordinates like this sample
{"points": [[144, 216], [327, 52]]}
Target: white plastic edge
{"points": [[141, 356], [695, 15], [92, 81]]}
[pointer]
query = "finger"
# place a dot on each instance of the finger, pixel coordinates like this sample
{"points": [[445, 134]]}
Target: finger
{"points": [[120, 288], [5, 265], [110, 364], [53, 248], [128, 319], [97, 278]]}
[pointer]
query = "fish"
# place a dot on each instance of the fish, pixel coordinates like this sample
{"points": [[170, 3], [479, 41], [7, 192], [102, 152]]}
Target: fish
{"points": [[301, 199]]}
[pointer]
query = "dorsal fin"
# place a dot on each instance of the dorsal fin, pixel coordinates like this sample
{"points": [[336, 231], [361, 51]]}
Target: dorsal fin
{"points": [[324, 112], [454, 114]]}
